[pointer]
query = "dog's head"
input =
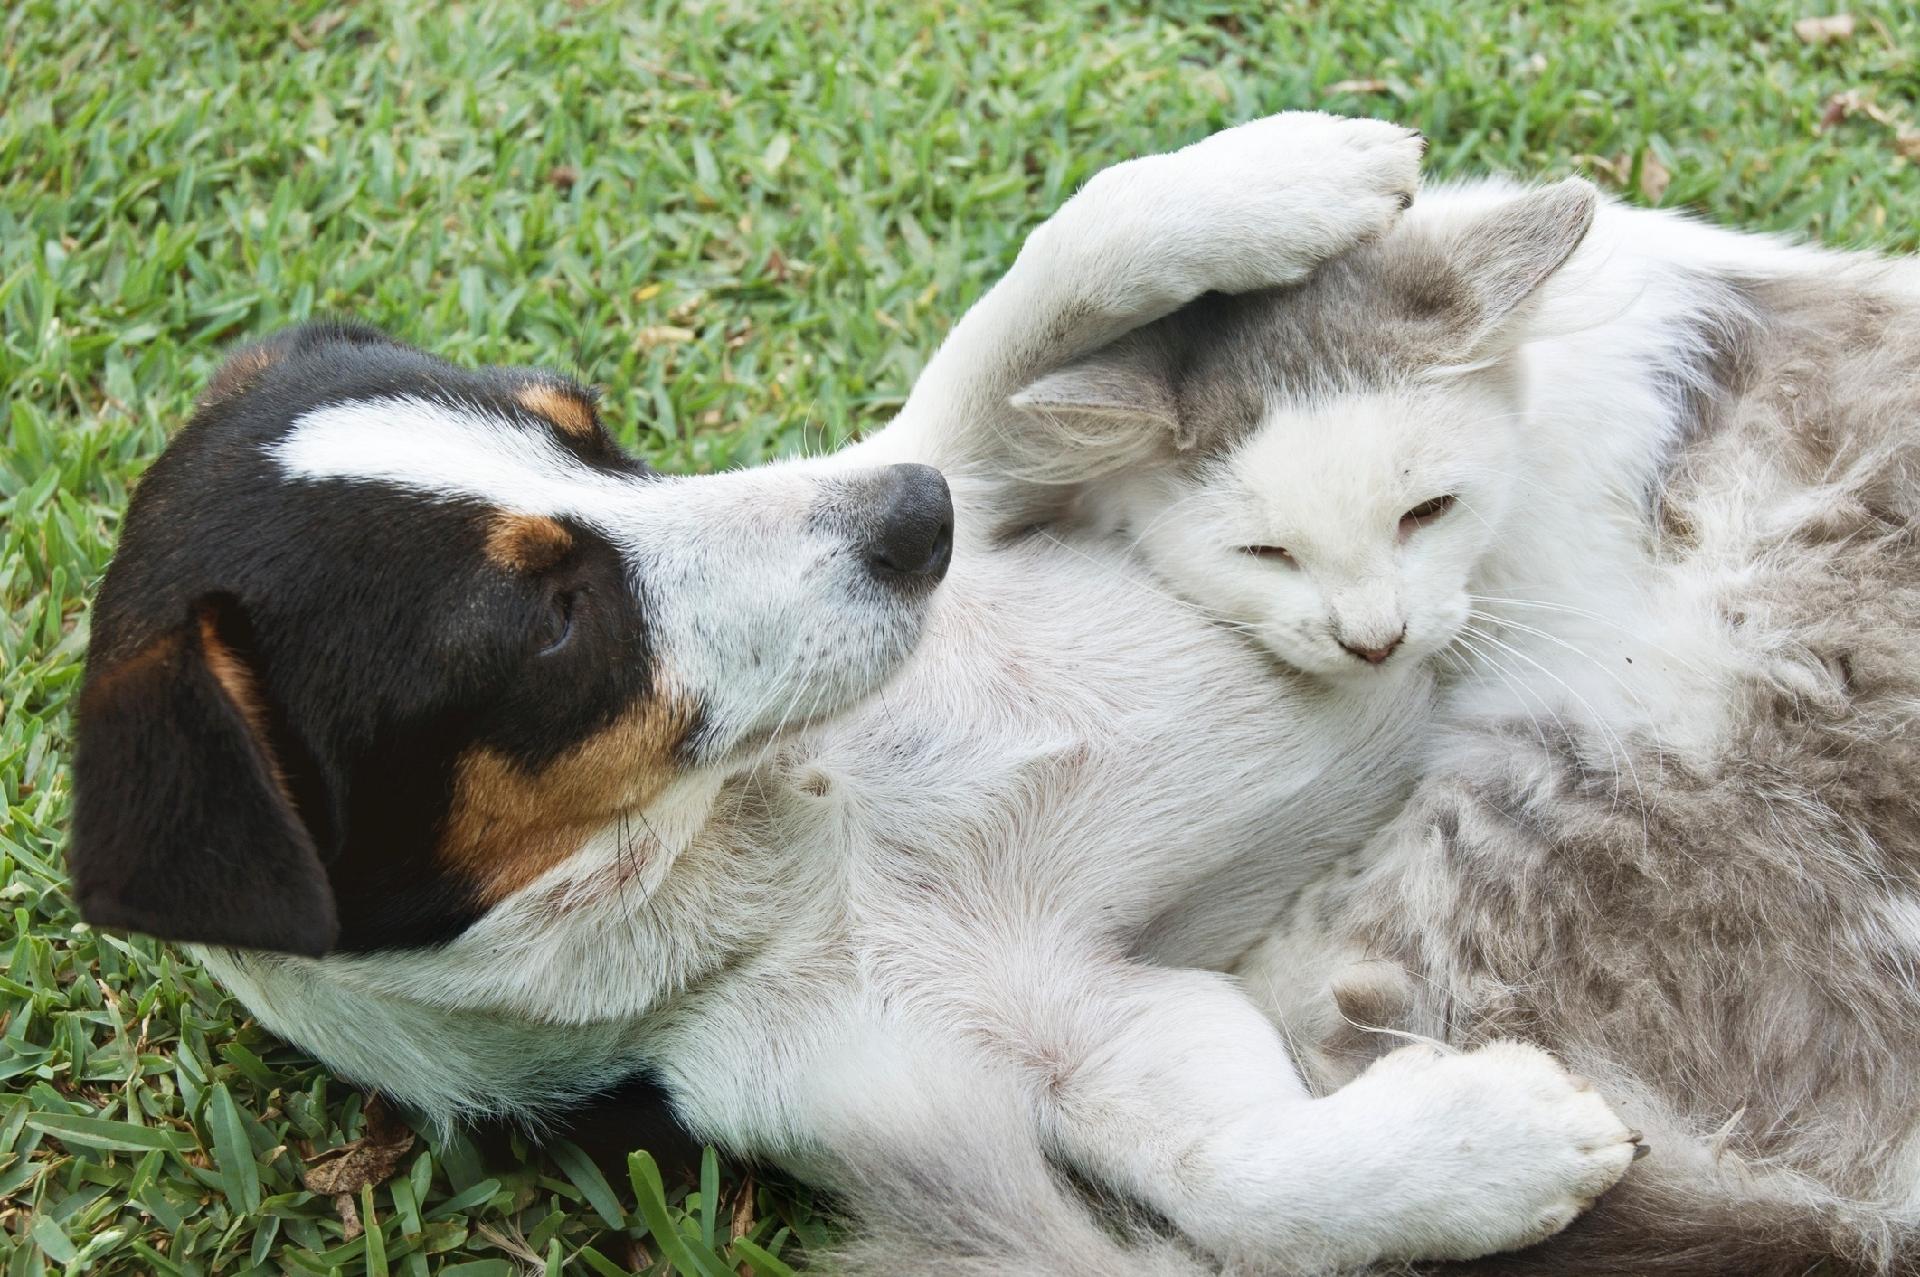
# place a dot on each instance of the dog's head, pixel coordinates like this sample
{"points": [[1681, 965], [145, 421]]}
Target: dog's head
{"points": [[385, 640]]}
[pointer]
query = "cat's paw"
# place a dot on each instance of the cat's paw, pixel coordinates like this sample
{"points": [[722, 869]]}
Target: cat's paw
{"points": [[1509, 1147], [1254, 206]]}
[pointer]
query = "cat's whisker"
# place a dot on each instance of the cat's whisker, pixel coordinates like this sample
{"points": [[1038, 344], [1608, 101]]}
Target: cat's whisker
{"points": [[1486, 661], [1607, 733], [1631, 693], [1612, 738], [1177, 506], [1469, 508], [1627, 688], [1600, 619], [1134, 581]]}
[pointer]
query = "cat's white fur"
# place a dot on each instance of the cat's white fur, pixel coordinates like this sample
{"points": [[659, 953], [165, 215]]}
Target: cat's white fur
{"points": [[1679, 691], [971, 928], [1537, 586]]}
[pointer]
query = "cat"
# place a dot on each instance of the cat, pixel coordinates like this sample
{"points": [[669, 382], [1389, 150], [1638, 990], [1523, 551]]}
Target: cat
{"points": [[1360, 468], [1643, 493]]}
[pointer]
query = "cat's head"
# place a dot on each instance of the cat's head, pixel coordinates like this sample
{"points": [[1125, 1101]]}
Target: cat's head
{"points": [[1334, 459]]}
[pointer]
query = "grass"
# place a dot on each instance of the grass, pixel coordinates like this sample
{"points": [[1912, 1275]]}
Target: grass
{"points": [[750, 223]]}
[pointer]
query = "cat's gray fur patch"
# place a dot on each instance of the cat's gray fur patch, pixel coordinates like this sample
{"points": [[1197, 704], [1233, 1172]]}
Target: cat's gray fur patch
{"points": [[1422, 298]]}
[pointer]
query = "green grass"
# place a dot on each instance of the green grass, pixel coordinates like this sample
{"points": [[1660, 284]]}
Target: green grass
{"points": [[751, 226]]}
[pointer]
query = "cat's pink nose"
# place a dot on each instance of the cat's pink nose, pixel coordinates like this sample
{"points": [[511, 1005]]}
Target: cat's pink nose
{"points": [[1375, 655]]}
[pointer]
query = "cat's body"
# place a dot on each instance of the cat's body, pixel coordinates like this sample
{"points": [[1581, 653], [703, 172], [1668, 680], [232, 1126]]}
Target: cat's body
{"points": [[1713, 908], [1671, 830]]}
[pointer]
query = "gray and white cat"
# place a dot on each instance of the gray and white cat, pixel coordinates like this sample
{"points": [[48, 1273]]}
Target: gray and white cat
{"points": [[1643, 494]]}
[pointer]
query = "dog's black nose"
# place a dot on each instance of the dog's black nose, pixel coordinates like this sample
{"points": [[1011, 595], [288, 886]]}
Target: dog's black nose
{"points": [[912, 524]]}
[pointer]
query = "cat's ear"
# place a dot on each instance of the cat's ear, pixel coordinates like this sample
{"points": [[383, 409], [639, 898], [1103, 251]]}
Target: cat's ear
{"points": [[1127, 383], [1503, 257]]}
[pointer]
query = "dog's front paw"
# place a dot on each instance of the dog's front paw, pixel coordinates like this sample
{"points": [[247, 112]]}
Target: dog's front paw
{"points": [[1504, 1147], [1254, 206], [1291, 191]]}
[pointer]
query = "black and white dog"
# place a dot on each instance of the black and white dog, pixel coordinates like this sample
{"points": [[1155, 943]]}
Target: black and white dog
{"points": [[495, 768]]}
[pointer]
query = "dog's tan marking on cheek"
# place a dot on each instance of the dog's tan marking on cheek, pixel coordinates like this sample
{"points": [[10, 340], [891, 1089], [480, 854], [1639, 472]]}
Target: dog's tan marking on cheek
{"points": [[506, 826], [526, 542], [572, 414]]}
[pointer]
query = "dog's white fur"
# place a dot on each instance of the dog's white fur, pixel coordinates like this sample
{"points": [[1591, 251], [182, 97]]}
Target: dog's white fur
{"points": [[967, 928]]}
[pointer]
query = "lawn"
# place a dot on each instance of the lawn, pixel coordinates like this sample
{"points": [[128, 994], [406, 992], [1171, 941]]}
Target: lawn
{"points": [[750, 224]]}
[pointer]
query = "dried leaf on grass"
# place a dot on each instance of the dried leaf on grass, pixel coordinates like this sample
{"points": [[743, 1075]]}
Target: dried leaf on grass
{"points": [[371, 1159], [743, 1206], [1851, 102], [1616, 170], [1848, 103], [661, 335], [1831, 29], [1654, 177], [351, 1227]]}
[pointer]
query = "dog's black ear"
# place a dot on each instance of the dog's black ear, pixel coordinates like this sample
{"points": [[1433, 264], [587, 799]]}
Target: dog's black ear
{"points": [[183, 823]]}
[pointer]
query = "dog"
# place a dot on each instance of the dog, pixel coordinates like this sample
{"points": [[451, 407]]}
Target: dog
{"points": [[900, 846]]}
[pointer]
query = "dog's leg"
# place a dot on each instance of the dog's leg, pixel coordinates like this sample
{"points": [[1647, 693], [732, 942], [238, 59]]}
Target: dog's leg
{"points": [[937, 1124], [1170, 1086], [1250, 207], [928, 1141]]}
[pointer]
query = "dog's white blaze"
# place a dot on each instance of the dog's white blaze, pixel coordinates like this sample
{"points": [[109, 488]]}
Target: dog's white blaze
{"points": [[447, 453]]}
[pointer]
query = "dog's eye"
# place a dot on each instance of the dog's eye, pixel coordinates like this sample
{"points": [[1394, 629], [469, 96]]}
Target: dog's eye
{"points": [[1426, 512], [1272, 553], [556, 623]]}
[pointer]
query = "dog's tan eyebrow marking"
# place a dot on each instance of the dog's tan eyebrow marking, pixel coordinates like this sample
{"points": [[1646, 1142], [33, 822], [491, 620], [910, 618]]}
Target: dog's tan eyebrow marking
{"points": [[526, 542], [508, 825], [571, 413]]}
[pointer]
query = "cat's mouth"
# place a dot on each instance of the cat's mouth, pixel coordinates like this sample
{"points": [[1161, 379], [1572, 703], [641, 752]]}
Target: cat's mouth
{"points": [[1360, 661], [1374, 651]]}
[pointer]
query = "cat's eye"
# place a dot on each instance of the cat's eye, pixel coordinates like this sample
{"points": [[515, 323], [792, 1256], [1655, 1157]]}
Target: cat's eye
{"points": [[1426, 512], [555, 626], [1272, 553]]}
